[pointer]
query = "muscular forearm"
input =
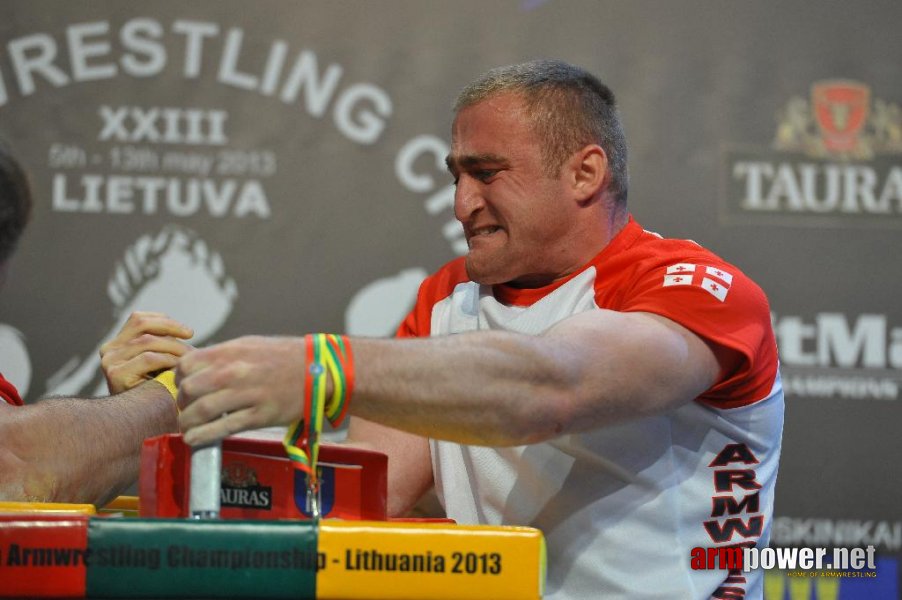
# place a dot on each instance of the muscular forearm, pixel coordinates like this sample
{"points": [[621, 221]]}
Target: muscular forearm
{"points": [[591, 370], [79, 450], [497, 389]]}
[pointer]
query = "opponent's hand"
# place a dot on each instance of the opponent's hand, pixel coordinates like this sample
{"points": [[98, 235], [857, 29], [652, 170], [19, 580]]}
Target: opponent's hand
{"points": [[147, 343], [258, 381]]}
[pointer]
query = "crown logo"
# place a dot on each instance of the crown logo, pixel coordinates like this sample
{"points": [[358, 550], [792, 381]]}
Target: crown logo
{"points": [[839, 121]]}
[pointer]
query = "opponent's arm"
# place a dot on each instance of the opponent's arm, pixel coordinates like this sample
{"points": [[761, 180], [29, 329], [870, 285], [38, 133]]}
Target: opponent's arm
{"points": [[409, 461], [79, 450], [494, 388], [148, 342]]}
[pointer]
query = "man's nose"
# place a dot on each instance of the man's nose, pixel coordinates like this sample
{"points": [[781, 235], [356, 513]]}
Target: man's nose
{"points": [[467, 198]]}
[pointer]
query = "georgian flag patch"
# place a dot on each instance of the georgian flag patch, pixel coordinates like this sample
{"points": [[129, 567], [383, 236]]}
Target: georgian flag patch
{"points": [[711, 279]]}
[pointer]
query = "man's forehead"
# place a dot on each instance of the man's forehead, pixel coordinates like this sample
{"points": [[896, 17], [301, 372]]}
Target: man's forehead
{"points": [[500, 110], [503, 100], [469, 160], [483, 132]]}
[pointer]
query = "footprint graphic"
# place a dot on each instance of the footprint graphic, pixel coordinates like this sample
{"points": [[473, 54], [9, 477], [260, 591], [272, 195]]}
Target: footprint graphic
{"points": [[173, 272], [378, 308]]}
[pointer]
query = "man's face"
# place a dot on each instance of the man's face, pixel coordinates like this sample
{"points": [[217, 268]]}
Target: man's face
{"points": [[516, 218]]}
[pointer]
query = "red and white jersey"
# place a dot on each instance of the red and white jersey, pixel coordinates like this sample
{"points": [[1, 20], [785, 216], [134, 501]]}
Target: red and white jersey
{"points": [[9, 393], [623, 506]]}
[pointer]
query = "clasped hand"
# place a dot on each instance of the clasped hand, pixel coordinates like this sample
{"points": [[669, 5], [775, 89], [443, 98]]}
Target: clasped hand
{"points": [[242, 384], [245, 383]]}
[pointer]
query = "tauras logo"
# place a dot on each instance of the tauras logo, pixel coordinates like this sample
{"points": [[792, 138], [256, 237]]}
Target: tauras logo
{"points": [[246, 497], [241, 489], [834, 355], [834, 161], [819, 188], [839, 123]]}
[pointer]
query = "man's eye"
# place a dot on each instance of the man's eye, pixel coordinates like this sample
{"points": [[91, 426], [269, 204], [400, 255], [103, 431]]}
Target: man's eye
{"points": [[484, 175]]}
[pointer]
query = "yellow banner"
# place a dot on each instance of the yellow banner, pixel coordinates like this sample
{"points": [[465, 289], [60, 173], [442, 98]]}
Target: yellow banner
{"points": [[375, 561]]}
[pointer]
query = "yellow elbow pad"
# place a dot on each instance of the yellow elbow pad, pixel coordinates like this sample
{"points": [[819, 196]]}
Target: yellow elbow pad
{"points": [[167, 379]]}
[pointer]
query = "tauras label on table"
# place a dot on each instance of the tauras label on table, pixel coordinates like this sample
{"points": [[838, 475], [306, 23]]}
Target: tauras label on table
{"points": [[257, 496]]}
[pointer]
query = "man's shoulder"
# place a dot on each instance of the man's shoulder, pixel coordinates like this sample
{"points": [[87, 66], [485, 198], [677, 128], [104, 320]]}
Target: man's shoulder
{"points": [[442, 282], [648, 265], [433, 290], [652, 252], [654, 246]]}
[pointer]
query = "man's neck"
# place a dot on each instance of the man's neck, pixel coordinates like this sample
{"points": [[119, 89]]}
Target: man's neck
{"points": [[597, 241]]}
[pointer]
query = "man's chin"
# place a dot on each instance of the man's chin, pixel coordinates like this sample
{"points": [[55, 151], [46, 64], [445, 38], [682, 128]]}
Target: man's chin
{"points": [[483, 274]]}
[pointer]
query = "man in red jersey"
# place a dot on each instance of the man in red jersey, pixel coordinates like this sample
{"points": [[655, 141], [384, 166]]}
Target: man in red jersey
{"points": [[78, 449], [618, 390]]}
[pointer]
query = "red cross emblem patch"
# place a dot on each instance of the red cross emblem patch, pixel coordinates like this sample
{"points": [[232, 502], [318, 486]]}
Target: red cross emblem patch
{"points": [[713, 280]]}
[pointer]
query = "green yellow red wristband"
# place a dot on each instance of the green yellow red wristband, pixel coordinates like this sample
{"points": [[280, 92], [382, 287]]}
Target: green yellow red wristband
{"points": [[325, 355]]}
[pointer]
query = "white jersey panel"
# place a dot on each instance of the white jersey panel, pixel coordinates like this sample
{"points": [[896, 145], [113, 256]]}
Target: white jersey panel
{"points": [[621, 507]]}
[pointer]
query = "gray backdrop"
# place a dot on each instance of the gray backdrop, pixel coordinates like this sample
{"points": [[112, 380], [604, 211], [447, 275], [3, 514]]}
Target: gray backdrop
{"points": [[276, 167]]}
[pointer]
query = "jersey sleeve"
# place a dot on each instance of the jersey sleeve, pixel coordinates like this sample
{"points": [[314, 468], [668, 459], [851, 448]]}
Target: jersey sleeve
{"points": [[433, 290], [724, 307], [417, 323], [9, 393], [411, 325]]}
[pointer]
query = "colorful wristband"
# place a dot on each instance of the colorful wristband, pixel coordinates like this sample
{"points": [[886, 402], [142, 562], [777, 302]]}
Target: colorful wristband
{"points": [[325, 355]]}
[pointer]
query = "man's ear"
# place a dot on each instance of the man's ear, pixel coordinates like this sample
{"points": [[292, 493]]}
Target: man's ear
{"points": [[589, 170]]}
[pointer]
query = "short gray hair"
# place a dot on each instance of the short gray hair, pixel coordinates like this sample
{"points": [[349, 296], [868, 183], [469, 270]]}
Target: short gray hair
{"points": [[569, 107]]}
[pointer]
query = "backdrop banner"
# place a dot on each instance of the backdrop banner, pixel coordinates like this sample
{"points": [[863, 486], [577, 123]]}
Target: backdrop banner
{"points": [[278, 167]]}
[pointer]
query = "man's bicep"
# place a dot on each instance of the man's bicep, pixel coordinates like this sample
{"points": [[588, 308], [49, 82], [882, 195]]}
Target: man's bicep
{"points": [[636, 363], [701, 367], [409, 461]]}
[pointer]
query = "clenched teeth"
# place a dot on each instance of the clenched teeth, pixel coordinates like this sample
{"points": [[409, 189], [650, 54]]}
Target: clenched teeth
{"points": [[485, 230]]}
